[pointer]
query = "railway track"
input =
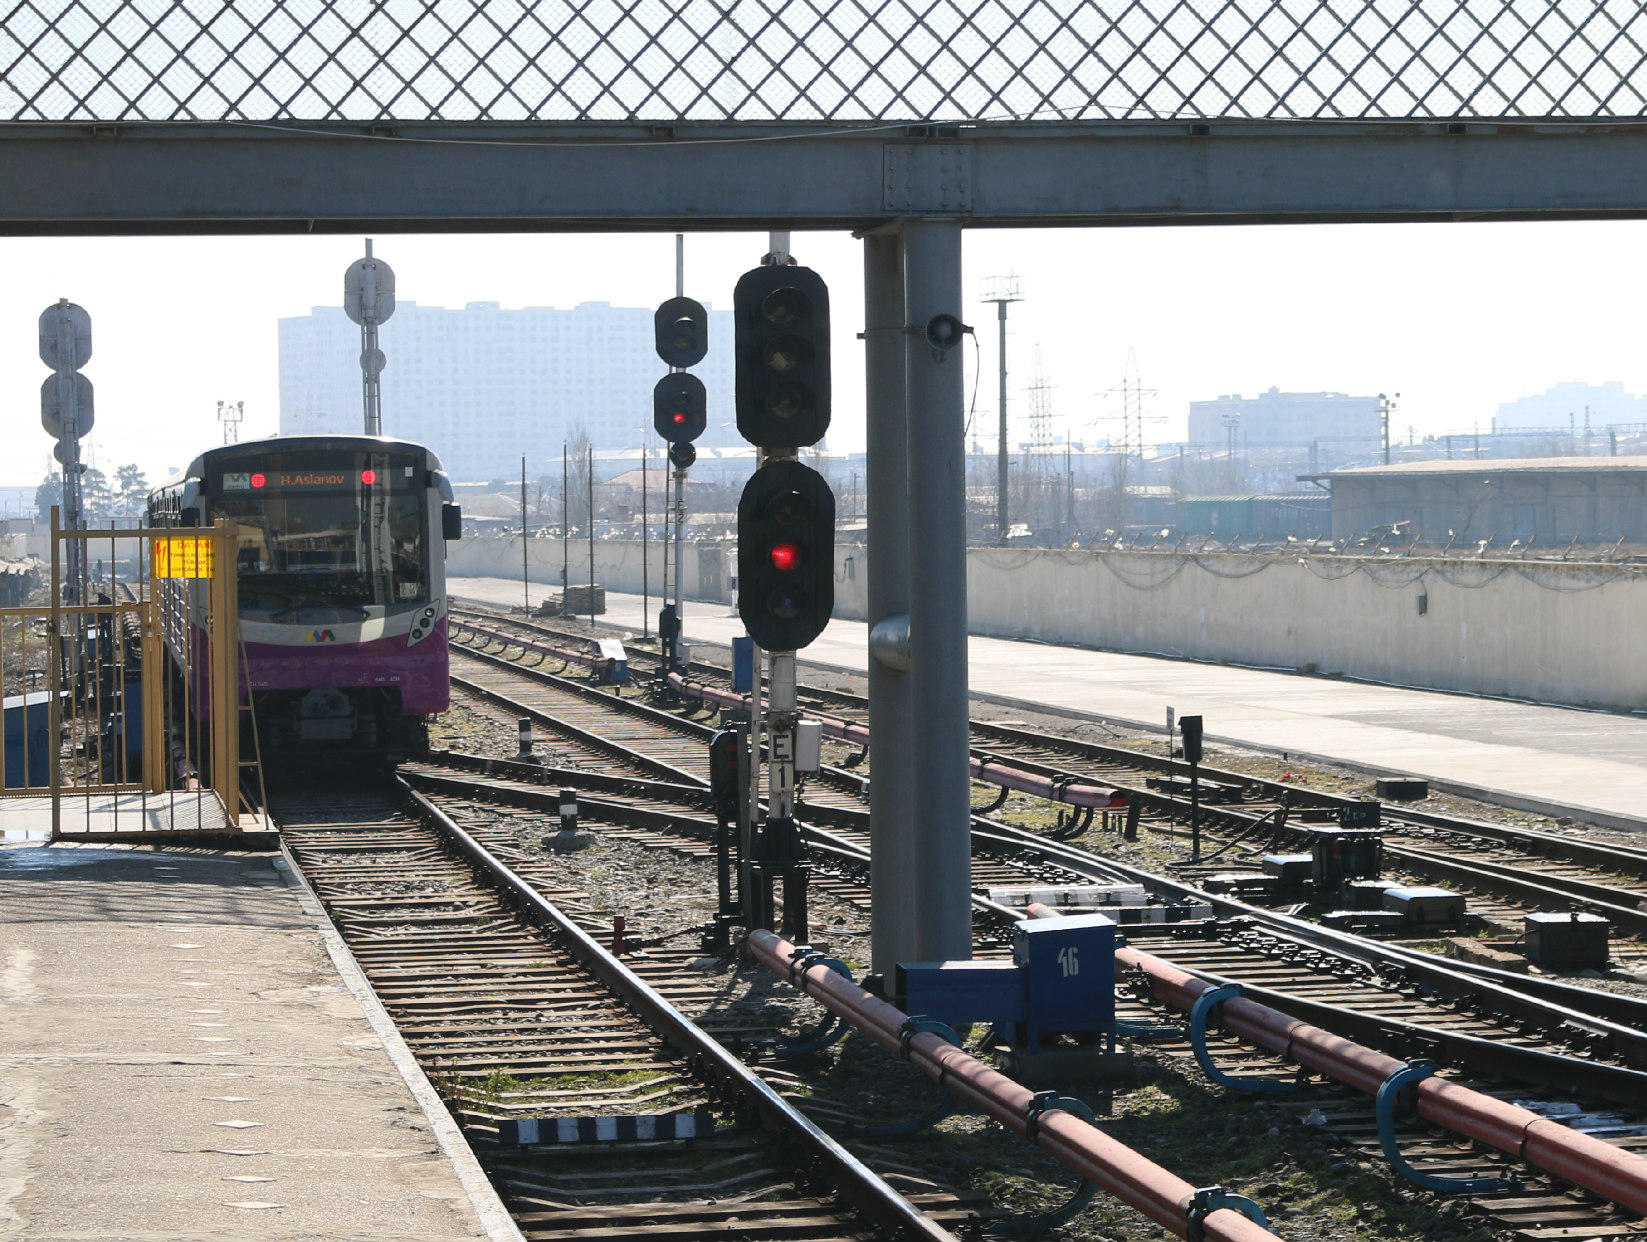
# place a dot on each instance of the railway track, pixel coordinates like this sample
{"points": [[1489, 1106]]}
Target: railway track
{"points": [[1507, 871], [1379, 996], [518, 1015], [1344, 995]]}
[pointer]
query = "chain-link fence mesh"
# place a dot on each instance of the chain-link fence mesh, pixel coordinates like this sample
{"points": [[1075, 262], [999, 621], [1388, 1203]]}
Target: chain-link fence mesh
{"points": [[819, 60]]}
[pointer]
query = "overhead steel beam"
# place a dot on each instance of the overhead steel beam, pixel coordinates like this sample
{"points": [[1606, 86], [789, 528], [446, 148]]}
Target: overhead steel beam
{"points": [[238, 178]]}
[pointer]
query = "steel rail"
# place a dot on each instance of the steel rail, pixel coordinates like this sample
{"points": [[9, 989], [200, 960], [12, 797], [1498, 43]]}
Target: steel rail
{"points": [[1515, 1060], [1610, 1019], [1046, 783], [1023, 776], [1522, 996], [582, 736], [542, 773], [1629, 860], [856, 1181]]}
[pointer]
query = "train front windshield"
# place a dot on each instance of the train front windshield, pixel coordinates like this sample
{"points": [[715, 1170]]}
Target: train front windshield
{"points": [[327, 529]]}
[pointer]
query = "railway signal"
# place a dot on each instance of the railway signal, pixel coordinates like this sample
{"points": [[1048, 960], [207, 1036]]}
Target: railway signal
{"points": [[786, 555], [679, 407], [681, 329], [781, 315]]}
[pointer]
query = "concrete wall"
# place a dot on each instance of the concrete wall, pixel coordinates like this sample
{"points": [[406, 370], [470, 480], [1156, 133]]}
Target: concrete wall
{"points": [[1564, 634], [1557, 633], [617, 564]]}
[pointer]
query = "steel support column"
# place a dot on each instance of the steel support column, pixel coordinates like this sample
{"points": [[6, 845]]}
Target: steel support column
{"points": [[886, 486], [940, 875]]}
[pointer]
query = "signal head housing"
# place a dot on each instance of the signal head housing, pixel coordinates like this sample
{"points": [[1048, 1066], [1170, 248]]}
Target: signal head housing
{"points": [[781, 316], [786, 555]]}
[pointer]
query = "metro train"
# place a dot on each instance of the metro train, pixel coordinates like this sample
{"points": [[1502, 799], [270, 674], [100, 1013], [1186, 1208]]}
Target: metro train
{"points": [[341, 569]]}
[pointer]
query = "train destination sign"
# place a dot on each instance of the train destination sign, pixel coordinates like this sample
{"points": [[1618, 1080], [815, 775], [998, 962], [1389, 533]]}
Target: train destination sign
{"points": [[294, 480]]}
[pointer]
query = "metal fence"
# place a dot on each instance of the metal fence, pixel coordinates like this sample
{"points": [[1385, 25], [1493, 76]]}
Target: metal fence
{"points": [[122, 690], [819, 60]]}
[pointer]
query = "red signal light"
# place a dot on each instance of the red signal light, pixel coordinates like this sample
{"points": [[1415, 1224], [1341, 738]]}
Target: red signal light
{"points": [[678, 417], [368, 477], [785, 555], [258, 480]]}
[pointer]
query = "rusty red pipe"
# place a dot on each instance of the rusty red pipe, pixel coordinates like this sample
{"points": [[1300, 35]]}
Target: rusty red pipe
{"points": [[1122, 1172], [1615, 1174]]}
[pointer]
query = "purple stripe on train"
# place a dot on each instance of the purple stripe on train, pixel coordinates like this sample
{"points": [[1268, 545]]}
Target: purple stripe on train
{"points": [[420, 671]]}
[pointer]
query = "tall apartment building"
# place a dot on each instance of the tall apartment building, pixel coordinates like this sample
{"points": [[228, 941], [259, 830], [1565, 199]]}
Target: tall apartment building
{"points": [[482, 385], [1572, 407], [1276, 419]]}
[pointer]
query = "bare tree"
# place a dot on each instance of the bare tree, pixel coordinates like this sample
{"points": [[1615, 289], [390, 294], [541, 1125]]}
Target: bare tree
{"points": [[575, 504]]}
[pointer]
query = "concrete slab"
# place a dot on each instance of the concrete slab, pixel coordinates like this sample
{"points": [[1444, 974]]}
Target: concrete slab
{"points": [[180, 1059], [124, 816], [1554, 760]]}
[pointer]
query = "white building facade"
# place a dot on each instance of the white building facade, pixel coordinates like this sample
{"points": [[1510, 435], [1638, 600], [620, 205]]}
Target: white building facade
{"points": [[483, 385], [1276, 419], [1572, 407]]}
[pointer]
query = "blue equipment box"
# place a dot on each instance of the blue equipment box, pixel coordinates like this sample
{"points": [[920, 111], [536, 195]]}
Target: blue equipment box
{"points": [[1061, 980], [1069, 972], [28, 740], [958, 993]]}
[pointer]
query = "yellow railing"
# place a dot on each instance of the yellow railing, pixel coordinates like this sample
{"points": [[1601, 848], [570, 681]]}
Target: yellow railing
{"points": [[153, 615]]}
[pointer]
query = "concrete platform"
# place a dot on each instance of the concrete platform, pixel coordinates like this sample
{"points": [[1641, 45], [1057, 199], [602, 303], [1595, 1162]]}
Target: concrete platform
{"points": [[180, 1059], [1552, 760], [104, 817]]}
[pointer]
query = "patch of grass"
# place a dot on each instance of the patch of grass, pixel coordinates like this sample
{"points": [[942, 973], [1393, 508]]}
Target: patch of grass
{"points": [[600, 1081]]}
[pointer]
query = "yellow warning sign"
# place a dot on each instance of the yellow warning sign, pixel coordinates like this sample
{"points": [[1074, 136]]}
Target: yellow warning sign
{"points": [[184, 556]]}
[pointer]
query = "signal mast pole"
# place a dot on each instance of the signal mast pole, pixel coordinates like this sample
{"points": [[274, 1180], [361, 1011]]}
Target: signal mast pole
{"points": [[1005, 293], [680, 470], [369, 300]]}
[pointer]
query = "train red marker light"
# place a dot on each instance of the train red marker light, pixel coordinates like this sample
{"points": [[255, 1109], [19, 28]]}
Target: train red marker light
{"points": [[785, 556], [258, 480], [368, 477]]}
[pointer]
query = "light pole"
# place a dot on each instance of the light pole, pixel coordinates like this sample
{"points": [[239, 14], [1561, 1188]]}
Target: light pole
{"points": [[1231, 422], [1386, 407], [1003, 291], [229, 413]]}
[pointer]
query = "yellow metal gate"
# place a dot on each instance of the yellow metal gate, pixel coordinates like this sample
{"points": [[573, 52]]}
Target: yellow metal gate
{"points": [[123, 691]]}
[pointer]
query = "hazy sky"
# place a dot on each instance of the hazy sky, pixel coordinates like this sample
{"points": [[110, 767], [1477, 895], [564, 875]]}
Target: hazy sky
{"points": [[1456, 317]]}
